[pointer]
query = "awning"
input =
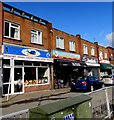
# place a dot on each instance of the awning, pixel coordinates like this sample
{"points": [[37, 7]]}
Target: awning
{"points": [[70, 63], [106, 66], [93, 65]]}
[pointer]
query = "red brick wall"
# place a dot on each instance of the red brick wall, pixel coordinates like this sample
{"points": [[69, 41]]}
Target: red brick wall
{"points": [[103, 51], [89, 45], [67, 38], [25, 28], [36, 88]]}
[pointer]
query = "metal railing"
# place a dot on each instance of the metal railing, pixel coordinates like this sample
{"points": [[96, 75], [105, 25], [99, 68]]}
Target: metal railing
{"points": [[19, 115], [102, 105]]}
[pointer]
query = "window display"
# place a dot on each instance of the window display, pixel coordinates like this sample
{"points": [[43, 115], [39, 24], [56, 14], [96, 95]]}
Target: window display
{"points": [[35, 75]]}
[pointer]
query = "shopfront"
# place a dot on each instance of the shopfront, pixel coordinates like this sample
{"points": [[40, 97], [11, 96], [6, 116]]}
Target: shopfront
{"points": [[92, 66], [25, 69], [67, 66], [105, 67]]}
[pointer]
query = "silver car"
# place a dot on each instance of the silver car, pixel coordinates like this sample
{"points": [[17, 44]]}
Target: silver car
{"points": [[108, 80]]}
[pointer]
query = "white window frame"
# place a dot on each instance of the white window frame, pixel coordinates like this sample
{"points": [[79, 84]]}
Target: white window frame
{"points": [[72, 45], [59, 42], [38, 39], [13, 25], [92, 51], [100, 53], [105, 55], [85, 49]]}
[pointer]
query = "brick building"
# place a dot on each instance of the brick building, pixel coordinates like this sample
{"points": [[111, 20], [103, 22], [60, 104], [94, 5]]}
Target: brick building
{"points": [[26, 53], [35, 56]]}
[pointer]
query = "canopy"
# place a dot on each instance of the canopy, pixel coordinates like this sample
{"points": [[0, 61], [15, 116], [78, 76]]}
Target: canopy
{"points": [[106, 66]]}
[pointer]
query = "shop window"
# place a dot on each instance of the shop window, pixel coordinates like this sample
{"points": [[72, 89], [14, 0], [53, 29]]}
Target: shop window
{"points": [[30, 76], [5, 88], [36, 36], [72, 45], [18, 62], [44, 64], [42, 75], [6, 61], [12, 30], [6, 75], [36, 64], [85, 49], [28, 63], [59, 42]]}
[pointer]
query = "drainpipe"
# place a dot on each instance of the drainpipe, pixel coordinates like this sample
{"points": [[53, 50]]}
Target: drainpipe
{"points": [[97, 52], [50, 40]]}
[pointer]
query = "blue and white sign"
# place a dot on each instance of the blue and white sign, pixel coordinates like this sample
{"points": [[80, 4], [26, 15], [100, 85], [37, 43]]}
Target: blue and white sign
{"points": [[69, 117], [16, 50]]}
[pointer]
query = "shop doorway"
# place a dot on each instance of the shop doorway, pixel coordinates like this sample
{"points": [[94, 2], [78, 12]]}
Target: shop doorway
{"points": [[18, 83]]}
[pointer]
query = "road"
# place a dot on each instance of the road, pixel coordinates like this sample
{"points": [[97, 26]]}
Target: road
{"points": [[43, 101]]}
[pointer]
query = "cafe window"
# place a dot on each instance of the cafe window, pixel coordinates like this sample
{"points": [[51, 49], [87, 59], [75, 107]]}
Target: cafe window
{"points": [[35, 75], [105, 55]]}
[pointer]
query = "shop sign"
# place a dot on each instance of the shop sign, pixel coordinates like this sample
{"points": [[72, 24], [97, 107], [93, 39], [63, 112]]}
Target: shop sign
{"points": [[84, 58], [17, 50], [65, 55], [105, 61], [75, 64], [92, 60], [19, 57]]}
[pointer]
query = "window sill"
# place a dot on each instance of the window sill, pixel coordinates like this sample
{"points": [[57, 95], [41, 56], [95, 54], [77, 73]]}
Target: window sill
{"points": [[13, 39], [35, 85], [61, 49], [36, 44]]}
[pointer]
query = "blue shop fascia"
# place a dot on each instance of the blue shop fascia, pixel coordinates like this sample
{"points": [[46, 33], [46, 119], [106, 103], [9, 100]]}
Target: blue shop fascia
{"points": [[24, 67]]}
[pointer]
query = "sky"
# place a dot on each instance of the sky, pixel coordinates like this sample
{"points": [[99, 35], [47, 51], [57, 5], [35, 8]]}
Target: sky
{"points": [[92, 20]]}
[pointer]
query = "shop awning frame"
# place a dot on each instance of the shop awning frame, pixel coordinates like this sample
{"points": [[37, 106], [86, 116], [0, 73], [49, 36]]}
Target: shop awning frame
{"points": [[106, 66]]}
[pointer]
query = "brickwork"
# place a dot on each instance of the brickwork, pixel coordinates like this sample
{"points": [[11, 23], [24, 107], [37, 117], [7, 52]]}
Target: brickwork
{"points": [[36, 88], [25, 28]]}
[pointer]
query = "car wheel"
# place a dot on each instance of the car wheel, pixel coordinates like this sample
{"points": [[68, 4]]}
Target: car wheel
{"points": [[103, 86], [91, 88]]}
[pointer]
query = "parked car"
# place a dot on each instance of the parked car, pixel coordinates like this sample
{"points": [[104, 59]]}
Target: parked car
{"points": [[88, 83], [108, 80]]}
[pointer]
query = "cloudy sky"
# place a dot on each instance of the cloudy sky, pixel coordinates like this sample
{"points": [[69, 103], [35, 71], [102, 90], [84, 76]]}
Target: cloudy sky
{"points": [[93, 20]]}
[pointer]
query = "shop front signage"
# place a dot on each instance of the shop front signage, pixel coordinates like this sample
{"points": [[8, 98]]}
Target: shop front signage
{"points": [[21, 53], [105, 61], [75, 64], [89, 60], [65, 55]]}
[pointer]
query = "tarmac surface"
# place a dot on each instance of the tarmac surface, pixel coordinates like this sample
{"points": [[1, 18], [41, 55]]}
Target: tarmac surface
{"points": [[31, 96]]}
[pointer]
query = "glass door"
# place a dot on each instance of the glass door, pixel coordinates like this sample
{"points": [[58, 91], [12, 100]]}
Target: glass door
{"points": [[18, 80]]}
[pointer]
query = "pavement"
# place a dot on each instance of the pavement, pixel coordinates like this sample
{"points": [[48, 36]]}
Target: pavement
{"points": [[31, 96]]}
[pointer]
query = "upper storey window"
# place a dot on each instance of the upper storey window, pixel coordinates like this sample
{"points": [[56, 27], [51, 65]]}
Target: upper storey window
{"points": [[92, 51], [12, 30], [59, 42], [85, 49], [72, 45], [36, 36]]}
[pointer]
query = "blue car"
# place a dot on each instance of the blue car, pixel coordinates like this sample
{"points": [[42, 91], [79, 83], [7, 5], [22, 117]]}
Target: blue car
{"points": [[88, 83]]}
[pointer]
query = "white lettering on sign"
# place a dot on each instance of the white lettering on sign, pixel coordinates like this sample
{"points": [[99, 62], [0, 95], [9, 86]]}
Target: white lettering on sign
{"points": [[92, 60], [76, 64], [105, 61]]}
